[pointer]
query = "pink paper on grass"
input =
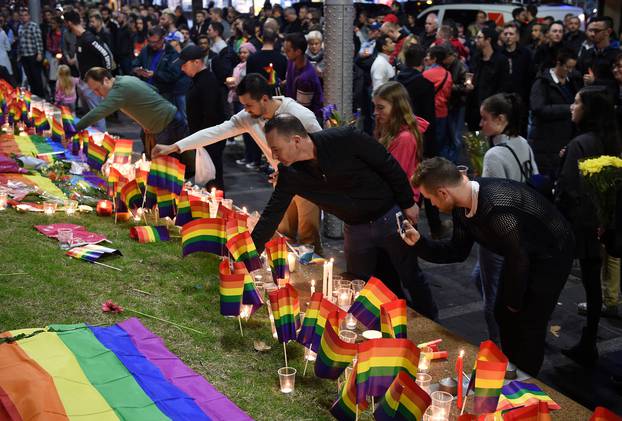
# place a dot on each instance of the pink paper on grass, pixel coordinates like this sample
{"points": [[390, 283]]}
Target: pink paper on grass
{"points": [[213, 403], [80, 234]]}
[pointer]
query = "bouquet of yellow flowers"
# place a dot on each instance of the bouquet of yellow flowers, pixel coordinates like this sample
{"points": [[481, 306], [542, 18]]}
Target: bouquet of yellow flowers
{"points": [[476, 146], [603, 175]]}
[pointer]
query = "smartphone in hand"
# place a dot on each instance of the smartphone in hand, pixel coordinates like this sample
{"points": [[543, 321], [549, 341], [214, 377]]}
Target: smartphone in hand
{"points": [[399, 218]]}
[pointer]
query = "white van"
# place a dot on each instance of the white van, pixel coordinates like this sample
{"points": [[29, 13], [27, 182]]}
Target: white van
{"points": [[501, 13]]}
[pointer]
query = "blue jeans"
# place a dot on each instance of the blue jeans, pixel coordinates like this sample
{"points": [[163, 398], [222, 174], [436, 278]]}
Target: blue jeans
{"points": [[363, 244], [456, 127], [92, 100], [180, 103], [486, 276], [443, 142]]}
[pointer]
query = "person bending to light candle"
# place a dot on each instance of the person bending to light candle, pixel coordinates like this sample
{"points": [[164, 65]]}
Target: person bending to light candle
{"points": [[514, 221]]}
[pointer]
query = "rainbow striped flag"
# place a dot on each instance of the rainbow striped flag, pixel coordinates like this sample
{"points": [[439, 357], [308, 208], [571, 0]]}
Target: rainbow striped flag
{"points": [[326, 307], [271, 74], [204, 235], [487, 378], [250, 296], [231, 289], [147, 234], [276, 250], [151, 196], [108, 143], [41, 121], [96, 156], [102, 373], [241, 246], [403, 401], [123, 151], [119, 204], [184, 211], [167, 173], [24, 113], [334, 354], [131, 195], [516, 394], [91, 252], [69, 121], [12, 112], [57, 130], [115, 179], [166, 203], [199, 209], [393, 320], [345, 407], [141, 177], [286, 312], [366, 307], [27, 97], [75, 144], [603, 414], [305, 337], [380, 360], [536, 412]]}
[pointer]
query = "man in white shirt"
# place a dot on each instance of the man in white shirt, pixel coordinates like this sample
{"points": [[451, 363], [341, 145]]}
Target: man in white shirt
{"points": [[382, 70], [259, 106]]}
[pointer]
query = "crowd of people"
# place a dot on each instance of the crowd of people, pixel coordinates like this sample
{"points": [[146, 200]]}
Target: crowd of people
{"points": [[544, 92]]}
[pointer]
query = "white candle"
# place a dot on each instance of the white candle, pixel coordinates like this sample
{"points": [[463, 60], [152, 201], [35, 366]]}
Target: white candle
{"points": [[330, 278], [291, 262], [350, 321], [312, 286], [325, 279]]}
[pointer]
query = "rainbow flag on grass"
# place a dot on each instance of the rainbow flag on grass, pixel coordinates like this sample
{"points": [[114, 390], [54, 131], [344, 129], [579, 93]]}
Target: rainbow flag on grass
{"points": [[241, 246], [334, 354], [96, 156], [286, 312], [403, 401], [393, 321], [380, 360], [345, 407], [131, 195], [326, 308], [69, 121], [57, 130], [123, 151], [204, 235], [41, 121], [276, 250], [516, 394], [91, 252], [305, 337], [166, 203], [167, 173], [107, 373], [487, 378], [366, 307], [148, 234], [184, 211], [231, 289]]}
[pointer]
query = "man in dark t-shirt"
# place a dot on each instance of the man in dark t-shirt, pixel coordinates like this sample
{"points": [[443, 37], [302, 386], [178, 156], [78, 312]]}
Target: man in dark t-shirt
{"points": [[268, 60]]}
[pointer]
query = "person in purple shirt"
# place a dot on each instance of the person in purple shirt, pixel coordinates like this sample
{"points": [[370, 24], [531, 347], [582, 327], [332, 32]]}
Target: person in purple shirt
{"points": [[301, 81]]}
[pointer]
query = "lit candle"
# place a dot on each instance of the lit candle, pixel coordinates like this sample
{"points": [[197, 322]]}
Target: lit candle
{"points": [[325, 279], [104, 208], [350, 321], [71, 206], [274, 334], [287, 378], [424, 359], [4, 199], [310, 355], [49, 208], [312, 286], [330, 278], [459, 370], [245, 311], [343, 297], [291, 262]]}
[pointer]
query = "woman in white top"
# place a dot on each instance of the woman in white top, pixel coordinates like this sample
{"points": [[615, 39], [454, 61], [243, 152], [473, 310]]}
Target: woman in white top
{"points": [[510, 157], [5, 48]]}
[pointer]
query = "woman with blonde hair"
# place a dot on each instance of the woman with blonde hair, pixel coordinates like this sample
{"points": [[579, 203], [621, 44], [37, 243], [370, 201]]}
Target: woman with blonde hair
{"points": [[65, 87], [401, 58], [397, 127]]}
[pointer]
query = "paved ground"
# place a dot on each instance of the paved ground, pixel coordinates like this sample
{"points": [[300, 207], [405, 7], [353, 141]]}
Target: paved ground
{"points": [[459, 302]]}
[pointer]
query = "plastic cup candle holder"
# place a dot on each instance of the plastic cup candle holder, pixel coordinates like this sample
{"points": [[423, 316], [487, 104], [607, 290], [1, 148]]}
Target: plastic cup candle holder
{"points": [[71, 207], [357, 287], [65, 238], [347, 336], [350, 322], [344, 296], [442, 401], [424, 359], [287, 378], [49, 208], [424, 380]]}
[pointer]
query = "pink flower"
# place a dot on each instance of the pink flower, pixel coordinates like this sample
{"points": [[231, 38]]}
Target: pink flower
{"points": [[110, 307]]}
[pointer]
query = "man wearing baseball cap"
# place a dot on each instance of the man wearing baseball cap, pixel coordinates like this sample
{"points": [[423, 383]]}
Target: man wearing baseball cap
{"points": [[204, 103]]}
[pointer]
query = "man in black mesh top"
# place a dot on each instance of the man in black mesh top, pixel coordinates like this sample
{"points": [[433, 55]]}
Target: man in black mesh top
{"points": [[510, 219]]}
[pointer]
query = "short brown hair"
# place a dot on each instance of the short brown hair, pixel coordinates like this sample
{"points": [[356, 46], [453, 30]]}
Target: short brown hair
{"points": [[436, 172], [98, 74], [286, 125]]}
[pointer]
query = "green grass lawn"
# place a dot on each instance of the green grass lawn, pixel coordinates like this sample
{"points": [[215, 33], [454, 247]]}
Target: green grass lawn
{"points": [[58, 289]]}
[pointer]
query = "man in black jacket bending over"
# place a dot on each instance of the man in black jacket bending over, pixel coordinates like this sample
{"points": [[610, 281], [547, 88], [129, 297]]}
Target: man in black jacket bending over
{"points": [[349, 174], [512, 220]]}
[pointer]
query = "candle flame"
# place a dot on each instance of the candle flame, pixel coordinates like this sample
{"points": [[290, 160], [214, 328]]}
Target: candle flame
{"points": [[461, 353]]}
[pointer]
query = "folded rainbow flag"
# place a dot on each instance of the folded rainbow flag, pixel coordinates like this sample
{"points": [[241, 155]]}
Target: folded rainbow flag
{"points": [[345, 407], [184, 212], [393, 320], [326, 307], [334, 354], [123, 151], [91, 252], [41, 121], [131, 195], [69, 121], [487, 378], [204, 235], [366, 307], [276, 250], [146, 234], [231, 289], [57, 130], [516, 394], [115, 180], [380, 360], [241, 246], [167, 173], [286, 312], [404, 400], [305, 336], [96, 156], [110, 373]]}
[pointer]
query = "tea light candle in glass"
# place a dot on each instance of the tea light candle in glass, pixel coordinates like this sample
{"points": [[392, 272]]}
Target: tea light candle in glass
{"points": [[424, 359], [71, 207], [287, 378], [350, 321], [424, 380], [344, 295], [347, 336], [49, 208]]}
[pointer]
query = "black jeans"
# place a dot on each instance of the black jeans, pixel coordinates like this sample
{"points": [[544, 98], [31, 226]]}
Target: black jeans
{"points": [[176, 130], [590, 276], [34, 73], [523, 332]]}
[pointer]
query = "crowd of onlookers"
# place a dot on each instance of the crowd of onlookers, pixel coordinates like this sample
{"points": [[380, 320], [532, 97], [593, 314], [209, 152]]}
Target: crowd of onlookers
{"points": [[547, 93]]}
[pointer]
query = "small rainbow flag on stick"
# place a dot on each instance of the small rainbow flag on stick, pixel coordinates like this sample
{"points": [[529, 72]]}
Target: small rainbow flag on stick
{"points": [[603, 414], [148, 234], [69, 121], [96, 156], [403, 401], [92, 253], [326, 307], [334, 354], [241, 246], [204, 235], [380, 360], [231, 289], [108, 142], [516, 394], [41, 121], [57, 130], [131, 195], [393, 320], [366, 307], [123, 151], [276, 250], [487, 378], [305, 337], [184, 211], [167, 173], [286, 312], [166, 203], [345, 407], [199, 209], [250, 296]]}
